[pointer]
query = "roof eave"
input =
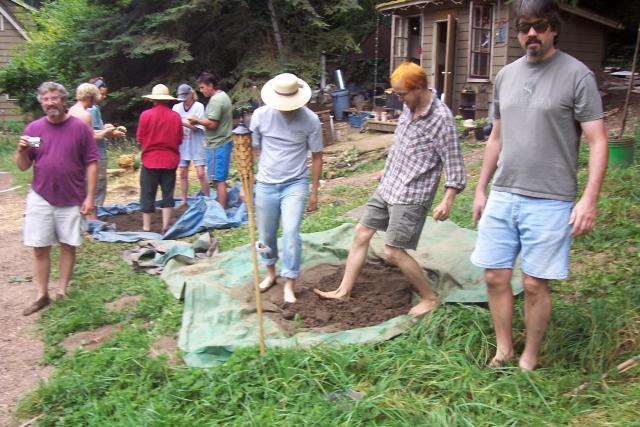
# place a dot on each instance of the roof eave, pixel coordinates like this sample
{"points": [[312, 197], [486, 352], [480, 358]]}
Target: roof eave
{"points": [[394, 4], [583, 13]]}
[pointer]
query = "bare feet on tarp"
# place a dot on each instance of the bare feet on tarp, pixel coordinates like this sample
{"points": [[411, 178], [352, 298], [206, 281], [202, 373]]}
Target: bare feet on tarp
{"points": [[337, 294], [424, 306], [289, 292], [267, 283]]}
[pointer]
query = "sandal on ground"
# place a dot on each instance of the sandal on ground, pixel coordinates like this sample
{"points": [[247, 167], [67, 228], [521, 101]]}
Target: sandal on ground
{"points": [[37, 305]]}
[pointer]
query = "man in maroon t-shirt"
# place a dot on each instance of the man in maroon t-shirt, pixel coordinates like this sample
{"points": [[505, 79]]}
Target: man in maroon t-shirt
{"points": [[64, 158]]}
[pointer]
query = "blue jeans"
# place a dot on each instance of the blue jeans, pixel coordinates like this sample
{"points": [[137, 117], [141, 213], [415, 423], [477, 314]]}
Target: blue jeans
{"points": [[287, 201], [537, 229]]}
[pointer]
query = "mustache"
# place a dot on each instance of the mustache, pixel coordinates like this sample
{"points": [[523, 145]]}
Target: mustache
{"points": [[532, 40]]}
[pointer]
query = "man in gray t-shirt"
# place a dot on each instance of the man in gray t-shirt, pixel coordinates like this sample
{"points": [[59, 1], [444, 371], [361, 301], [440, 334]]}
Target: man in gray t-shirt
{"points": [[543, 102], [284, 132]]}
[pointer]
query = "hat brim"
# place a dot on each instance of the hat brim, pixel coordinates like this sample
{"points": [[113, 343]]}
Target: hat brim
{"points": [[285, 102], [182, 96], [159, 97]]}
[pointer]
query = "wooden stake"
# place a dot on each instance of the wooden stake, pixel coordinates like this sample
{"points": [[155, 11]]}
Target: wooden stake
{"points": [[621, 368], [630, 88], [243, 155]]}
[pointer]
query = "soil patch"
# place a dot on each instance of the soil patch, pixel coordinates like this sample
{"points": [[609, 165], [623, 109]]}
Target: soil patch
{"points": [[89, 340], [20, 345], [166, 346], [133, 221], [381, 293], [125, 302]]}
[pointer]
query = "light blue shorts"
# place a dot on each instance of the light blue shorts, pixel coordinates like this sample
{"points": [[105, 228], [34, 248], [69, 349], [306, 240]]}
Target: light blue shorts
{"points": [[536, 228], [198, 162]]}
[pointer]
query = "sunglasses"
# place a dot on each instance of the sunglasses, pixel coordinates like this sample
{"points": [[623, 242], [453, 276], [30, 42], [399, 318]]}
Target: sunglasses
{"points": [[539, 26]]}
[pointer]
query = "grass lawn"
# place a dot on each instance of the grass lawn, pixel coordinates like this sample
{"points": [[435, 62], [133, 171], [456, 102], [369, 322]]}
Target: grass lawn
{"points": [[433, 375]]}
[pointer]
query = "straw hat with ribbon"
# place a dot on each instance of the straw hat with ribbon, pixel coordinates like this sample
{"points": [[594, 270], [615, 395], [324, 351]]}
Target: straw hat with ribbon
{"points": [[160, 93], [286, 92]]}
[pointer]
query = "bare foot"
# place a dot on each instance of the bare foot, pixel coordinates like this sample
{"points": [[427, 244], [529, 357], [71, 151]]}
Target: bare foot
{"points": [[337, 294], [289, 293], [267, 283], [499, 362], [424, 307], [527, 365], [60, 296]]}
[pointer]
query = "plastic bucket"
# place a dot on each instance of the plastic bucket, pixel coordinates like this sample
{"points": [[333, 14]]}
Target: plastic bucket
{"points": [[340, 102], [621, 152], [342, 132]]}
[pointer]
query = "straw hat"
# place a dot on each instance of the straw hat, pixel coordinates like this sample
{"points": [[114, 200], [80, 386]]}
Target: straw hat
{"points": [[160, 93], [286, 92]]}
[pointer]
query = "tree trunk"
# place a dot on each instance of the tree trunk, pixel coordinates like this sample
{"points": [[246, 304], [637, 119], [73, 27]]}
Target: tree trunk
{"points": [[276, 29]]}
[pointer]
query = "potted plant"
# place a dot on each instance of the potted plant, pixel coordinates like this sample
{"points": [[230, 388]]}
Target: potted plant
{"points": [[479, 129]]}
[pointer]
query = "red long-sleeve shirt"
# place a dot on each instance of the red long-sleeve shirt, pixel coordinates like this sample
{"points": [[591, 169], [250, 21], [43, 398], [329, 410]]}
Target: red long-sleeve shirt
{"points": [[160, 135]]}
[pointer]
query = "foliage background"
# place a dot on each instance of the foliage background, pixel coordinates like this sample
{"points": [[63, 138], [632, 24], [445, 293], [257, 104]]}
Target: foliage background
{"points": [[135, 44]]}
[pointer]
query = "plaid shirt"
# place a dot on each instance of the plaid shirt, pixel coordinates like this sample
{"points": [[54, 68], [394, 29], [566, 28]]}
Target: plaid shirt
{"points": [[420, 149]]}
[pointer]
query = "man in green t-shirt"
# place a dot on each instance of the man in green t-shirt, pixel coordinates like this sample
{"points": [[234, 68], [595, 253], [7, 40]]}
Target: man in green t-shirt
{"points": [[218, 123]]}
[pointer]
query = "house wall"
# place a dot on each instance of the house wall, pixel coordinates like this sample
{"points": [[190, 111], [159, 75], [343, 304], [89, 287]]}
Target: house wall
{"points": [[580, 37], [10, 39]]}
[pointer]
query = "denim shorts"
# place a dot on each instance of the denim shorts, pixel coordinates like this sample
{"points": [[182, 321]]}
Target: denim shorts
{"points": [[537, 229], [198, 162], [403, 224], [218, 160]]}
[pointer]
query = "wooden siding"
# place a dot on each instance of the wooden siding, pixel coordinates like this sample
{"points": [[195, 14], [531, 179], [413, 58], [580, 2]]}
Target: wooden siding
{"points": [[580, 37], [10, 40]]}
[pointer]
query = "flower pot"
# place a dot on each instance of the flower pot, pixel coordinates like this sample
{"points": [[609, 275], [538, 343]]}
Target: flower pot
{"points": [[621, 152], [479, 132]]}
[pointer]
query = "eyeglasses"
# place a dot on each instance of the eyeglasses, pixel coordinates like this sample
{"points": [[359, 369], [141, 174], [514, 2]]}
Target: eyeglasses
{"points": [[54, 98], [539, 26]]}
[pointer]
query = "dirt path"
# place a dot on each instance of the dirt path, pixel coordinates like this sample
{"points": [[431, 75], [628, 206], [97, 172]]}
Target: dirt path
{"points": [[20, 346]]}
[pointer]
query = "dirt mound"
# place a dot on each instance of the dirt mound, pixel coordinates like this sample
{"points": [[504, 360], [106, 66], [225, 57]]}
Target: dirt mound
{"points": [[124, 303], [89, 340], [133, 221], [381, 293]]}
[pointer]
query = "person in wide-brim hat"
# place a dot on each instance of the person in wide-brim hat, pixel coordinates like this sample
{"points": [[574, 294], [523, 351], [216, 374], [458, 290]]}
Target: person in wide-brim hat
{"points": [[284, 131], [160, 93], [286, 92]]}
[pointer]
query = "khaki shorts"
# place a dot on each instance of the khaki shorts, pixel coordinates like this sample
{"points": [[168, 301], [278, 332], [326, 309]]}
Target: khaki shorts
{"points": [[45, 225], [402, 223]]}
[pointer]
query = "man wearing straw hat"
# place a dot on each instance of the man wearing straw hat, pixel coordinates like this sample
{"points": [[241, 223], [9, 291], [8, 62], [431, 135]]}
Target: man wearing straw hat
{"points": [[542, 104], [424, 143], [160, 135], [284, 131]]}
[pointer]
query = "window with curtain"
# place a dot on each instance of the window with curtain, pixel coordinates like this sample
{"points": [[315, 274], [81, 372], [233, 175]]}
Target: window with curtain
{"points": [[480, 55]]}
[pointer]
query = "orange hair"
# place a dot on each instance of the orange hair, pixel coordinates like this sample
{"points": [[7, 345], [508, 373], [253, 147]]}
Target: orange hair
{"points": [[411, 75]]}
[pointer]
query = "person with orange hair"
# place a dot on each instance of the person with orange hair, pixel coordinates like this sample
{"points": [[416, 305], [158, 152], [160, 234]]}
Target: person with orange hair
{"points": [[425, 141]]}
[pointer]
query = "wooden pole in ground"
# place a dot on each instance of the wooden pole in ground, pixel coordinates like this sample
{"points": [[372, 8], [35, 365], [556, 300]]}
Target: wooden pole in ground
{"points": [[630, 88], [243, 156]]}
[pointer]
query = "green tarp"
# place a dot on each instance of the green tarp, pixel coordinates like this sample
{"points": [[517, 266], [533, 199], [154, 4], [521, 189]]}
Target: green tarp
{"points": [[217, 319]]}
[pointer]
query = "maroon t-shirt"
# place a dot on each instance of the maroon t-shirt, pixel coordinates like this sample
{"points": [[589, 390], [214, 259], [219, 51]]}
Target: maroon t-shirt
{"points": [[60, 163]]}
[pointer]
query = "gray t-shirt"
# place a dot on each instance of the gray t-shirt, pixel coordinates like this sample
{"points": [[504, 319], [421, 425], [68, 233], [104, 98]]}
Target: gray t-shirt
{"points": [[540, 107], [284, 140]]}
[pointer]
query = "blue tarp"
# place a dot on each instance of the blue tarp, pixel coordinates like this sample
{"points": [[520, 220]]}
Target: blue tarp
{"points": [[203, 214]]}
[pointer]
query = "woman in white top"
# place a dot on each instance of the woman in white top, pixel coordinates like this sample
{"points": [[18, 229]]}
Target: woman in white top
{"points": [[192, 147]]}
